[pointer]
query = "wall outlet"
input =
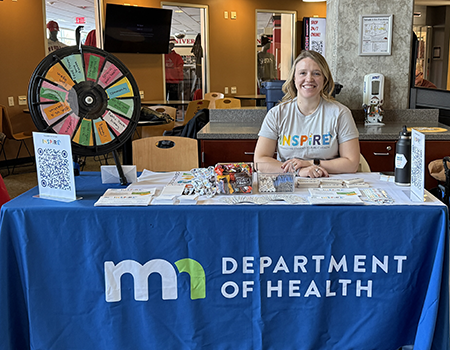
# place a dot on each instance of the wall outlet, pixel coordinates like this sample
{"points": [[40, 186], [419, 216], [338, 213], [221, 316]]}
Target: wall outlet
{"points": [[225, 15], [233, 15], [22, 100], [141, 93], [234, 90], [11, 101], [226, 90]]}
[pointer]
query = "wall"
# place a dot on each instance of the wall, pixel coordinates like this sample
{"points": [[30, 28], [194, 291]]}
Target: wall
{"points": [[342, 50], [22, 37]]}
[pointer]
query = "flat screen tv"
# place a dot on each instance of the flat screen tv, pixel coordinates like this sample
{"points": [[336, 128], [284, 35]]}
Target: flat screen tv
{"points": [[131, 29]]}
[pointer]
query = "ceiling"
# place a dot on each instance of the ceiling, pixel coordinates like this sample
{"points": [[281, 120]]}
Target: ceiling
{"points": [[185, 20]]}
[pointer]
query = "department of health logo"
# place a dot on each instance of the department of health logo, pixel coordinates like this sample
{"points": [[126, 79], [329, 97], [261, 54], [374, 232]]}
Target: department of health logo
{"points": [[140, 273]]}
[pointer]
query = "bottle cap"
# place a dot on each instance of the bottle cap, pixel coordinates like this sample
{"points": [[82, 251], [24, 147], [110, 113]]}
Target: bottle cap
{"points": [[405, 131]]}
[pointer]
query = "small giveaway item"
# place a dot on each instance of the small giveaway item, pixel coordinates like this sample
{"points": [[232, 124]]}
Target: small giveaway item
{"points": [[234, 178], [270, 181]]}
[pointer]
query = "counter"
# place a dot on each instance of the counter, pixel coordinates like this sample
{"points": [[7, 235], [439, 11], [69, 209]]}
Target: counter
{"points": [[235, 124]]}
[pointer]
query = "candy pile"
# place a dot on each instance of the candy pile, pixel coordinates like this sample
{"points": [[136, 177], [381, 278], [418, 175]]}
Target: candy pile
{"points": [[203, 183], [275, 183], [234, 178]]}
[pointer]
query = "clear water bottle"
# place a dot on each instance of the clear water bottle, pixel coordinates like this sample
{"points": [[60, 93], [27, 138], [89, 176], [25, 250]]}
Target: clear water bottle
{"points": [[403, 158]]}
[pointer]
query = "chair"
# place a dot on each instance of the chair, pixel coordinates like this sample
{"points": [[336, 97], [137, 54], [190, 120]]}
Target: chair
{"points": [[363, 166], [8, 130], [225, 103], [158, 130], [212, 97], [193, 108], [182, 156]]}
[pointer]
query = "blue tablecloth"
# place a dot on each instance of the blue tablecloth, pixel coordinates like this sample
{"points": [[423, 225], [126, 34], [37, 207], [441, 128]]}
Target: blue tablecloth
{"points": [[75, 276]]}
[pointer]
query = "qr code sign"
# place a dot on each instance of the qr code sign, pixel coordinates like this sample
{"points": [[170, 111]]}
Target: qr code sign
{"points": [[317, 46], [54, 170], [417, 175]]}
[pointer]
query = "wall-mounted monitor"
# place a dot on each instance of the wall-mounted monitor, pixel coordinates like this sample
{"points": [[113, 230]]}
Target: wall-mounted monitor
{"points": [[131, 29]]}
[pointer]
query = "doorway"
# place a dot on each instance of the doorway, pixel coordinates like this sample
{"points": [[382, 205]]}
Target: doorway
{"points": [[275, 45], [189, 33], [68, 16]]}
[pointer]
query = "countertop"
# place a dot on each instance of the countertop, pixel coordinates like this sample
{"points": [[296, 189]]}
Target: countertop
{"points": [[247, 127]]}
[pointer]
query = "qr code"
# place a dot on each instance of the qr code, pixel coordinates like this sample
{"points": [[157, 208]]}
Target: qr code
{"points": [[416, 171], [317, 46], [54, 169]]}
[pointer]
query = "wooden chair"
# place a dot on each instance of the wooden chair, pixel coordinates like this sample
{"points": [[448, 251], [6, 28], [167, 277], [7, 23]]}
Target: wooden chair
{"points": [[212, 97], [158, 130], [363, 166], [20, 137], [193, 108], [228, 102], [182, 156]]}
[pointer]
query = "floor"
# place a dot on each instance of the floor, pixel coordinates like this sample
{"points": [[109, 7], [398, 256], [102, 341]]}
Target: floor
{"points": [[24, 177]]}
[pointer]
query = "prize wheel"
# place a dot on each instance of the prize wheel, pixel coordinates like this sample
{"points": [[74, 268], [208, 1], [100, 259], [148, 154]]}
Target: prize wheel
{"points": [[88, 94]]}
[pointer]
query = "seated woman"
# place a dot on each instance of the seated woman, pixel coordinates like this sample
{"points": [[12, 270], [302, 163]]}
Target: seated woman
{"points": [[313, 134]]}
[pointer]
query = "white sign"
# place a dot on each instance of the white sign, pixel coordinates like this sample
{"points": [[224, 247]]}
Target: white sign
{"points": [[375, 36], [417, 165], [54, 166], [315, 36]]}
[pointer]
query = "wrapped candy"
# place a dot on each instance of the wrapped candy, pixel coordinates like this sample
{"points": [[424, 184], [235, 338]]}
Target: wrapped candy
{"points": [[234, 178]]}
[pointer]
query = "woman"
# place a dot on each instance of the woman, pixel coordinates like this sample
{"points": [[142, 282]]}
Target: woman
{"points": [[313, 134]]}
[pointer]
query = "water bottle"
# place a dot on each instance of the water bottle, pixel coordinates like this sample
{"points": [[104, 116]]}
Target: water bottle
{"points": [[403, 158]]}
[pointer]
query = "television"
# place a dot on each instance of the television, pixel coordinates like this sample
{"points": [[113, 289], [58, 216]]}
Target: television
{"points": [[131, 29]]}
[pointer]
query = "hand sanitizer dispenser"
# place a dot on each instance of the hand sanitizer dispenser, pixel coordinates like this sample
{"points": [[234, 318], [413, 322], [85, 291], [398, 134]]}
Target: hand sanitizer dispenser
{"points": [[373, 98]]}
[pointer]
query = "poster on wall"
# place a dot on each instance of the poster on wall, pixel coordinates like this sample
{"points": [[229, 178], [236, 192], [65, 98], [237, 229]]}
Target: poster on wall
{"points": [[314, 34], [375, 35]]}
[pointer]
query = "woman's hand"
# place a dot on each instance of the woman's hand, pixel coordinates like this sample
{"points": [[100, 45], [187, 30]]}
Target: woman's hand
{"points": [[313, 171], [304, 168]]}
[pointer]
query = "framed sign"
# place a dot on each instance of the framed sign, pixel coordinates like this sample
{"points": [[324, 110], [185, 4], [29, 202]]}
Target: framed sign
{"points": [[375, 35]]}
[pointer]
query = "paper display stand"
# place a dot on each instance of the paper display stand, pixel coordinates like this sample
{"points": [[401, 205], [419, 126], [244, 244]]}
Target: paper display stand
{"points": [[54, 167], [87, 94], [417, 166]]}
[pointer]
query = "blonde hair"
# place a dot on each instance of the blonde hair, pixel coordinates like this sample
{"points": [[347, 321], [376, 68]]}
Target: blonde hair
{"points": [[289, 88]]}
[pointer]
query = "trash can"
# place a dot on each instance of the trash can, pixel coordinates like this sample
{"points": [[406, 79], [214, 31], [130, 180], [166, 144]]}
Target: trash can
{"points": [[274, 94]]}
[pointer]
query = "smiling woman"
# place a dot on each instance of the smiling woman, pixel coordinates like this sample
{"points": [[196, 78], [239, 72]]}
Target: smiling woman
{"points": [[313, 134]]}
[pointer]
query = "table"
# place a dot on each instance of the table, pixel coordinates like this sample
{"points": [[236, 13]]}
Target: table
{"points": [[221, 277], [260, 99]]}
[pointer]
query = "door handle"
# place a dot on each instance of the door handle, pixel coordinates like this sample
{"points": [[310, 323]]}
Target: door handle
{"points": [[380, 154]]}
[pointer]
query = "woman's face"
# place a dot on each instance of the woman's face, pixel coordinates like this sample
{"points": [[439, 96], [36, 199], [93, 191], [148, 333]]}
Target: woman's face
{"points": [[308, 79]]}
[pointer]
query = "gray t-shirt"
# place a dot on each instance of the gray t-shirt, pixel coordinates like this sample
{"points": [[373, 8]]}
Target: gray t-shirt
{"points": [[317, 135]]}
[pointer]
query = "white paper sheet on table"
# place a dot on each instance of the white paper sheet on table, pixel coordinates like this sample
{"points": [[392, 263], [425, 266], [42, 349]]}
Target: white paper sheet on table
{"points": [[125, 197]]}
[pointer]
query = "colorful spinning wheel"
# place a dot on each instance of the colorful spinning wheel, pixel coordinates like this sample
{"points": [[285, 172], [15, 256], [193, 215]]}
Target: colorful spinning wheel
{"points": [[86, 93]]}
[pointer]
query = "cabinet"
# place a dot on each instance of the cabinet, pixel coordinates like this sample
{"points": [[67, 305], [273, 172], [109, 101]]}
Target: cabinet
{"points": [[218, 151], [379, 154]]}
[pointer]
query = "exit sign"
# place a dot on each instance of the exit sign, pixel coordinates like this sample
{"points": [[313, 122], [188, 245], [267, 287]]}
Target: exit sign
{"points": [[80, 20]]}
